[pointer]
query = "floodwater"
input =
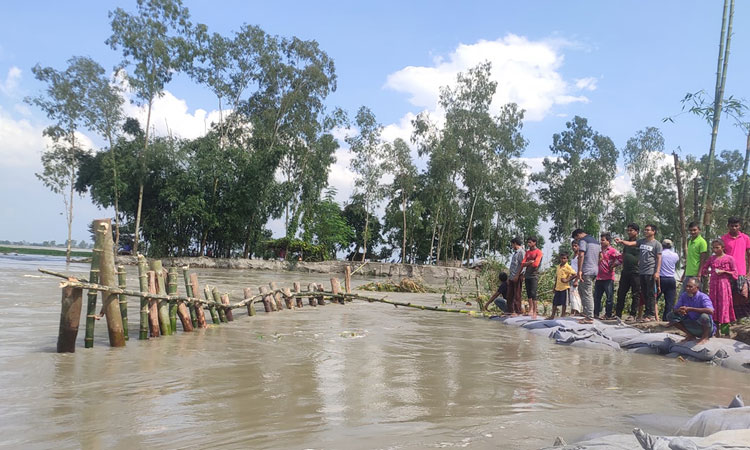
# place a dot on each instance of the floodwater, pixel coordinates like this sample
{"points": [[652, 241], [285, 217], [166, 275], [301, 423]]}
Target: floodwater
{"points": [[363, 375]]}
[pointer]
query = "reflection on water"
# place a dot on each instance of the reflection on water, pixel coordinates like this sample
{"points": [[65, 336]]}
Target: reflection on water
{"points": [[335, 377]]}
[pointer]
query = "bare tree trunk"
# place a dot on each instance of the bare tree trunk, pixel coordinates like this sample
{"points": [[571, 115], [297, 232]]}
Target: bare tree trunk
{"points": [[696, 207], [468, 228], [364, 235], [681, 204], [403, 243], [140, 183], [70, 217], [432, 240]]}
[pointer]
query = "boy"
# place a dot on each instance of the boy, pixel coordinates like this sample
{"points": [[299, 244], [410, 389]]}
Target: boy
{"points": [[499, 297], [564, 274]]}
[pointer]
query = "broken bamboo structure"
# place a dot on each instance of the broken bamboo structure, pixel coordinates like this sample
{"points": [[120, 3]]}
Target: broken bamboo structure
{"points": [[199, 314], [172, 289], [70, 317], [162, 307], [211, 308], [181, 309], [153, 308], [247, 294], [123, 300], [96, 257], [143, 285], [110, 305]]}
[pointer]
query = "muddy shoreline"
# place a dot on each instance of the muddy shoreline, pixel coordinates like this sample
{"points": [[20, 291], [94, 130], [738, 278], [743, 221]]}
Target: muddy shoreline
{"points": [[428, 274]]}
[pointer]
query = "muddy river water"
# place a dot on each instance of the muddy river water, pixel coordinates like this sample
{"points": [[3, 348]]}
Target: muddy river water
{"points": [[363, 375]]}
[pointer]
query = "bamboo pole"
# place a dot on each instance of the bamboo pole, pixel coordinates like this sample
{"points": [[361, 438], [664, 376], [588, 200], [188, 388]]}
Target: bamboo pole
{"points": [[172, 290], [268, 296], [123, 300], [321, 300], [227, 311], [211, 307], [199, 313], [153, 309], [111, 308], [248, 294], [217, 298], [96, 257], [189, 293], [180, 307], [348, 279], [162, 306], [276, 295], [312, 300], [297, 290], [70, 317], [266, 302], [143, 284]]}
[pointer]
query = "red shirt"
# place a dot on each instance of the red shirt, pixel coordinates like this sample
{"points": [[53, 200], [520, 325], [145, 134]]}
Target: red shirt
{"points": [[608, 260], [737, 247], [535, 257]]}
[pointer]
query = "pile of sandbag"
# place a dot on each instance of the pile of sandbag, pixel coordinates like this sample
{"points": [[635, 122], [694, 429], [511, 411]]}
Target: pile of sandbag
{"points": [[615, 337], [712, 429]]}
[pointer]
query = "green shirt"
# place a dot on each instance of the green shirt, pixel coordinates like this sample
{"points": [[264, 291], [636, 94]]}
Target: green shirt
{"points": [[694, 249], [630, 257]]}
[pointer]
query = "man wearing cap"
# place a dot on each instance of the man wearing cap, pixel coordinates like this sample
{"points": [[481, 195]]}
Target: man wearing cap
{"points": [[667, 283]]}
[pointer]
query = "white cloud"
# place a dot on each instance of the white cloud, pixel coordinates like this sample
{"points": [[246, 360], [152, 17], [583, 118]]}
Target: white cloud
{"points": [[21, 142], [9, 86], [588, 83], [527, 73], [170, 114]]}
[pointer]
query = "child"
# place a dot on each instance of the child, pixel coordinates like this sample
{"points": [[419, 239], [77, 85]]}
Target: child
{"points": [[575, 300], [564, 274], [499, 296], [723, 271]]}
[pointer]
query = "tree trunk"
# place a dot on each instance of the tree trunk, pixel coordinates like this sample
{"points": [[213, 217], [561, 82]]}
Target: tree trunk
{"points": [[721, 76], [468, 228], [696, 206], [431, 260], [140, 182], [681, 204], [403, 243], [70, 218], [364, 235], [107, 277]]}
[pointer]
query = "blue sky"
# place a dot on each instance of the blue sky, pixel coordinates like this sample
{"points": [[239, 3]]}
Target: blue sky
{"points": [[622, 65]]}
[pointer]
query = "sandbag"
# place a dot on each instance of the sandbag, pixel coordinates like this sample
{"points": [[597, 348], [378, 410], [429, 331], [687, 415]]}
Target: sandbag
{"points": [[713, 420], [620, 333], [717, 350], [517, 320], [646, 351], [722, 440], [659, 341], [613, 441], [536, 324], [595, 343]]}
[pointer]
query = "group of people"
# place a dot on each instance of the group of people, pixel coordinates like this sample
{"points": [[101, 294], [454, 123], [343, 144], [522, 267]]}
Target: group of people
{"points": [[649, 271]]}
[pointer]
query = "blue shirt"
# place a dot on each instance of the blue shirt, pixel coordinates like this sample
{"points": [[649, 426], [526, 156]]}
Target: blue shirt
{"points": [[668, 262], [699, 300]]}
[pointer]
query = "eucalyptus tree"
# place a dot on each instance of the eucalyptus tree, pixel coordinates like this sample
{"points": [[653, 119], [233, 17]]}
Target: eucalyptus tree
{"points": [[575, 185], [327, 226], [404, 182], [156, 43], [64, 101], [369, 163]]}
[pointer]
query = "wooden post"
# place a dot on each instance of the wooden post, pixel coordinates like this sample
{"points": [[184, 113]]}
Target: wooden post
{"points": [[123, 300], [143, 285], [96, 258], [211, 307], [335, 289], [288, 298], [321, 300], [172, 290], [70, 317], [266, 300], [182, 309], [297, 290], [153, 309], [189, 293], [248, 293], [199, 313], [348, 279], [110, 306], [312, 300], [217, 299], [161, 305], [228, 310], [276, 295]]}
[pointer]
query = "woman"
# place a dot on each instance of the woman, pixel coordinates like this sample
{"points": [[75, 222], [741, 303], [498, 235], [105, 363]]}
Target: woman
{"points": [[722, 270]]}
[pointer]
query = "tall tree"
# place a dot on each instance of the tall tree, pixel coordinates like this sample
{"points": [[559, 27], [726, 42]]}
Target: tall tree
{"points": [[64, 101], [156, 43], [404, 182], [369, 165], [575, 185]]}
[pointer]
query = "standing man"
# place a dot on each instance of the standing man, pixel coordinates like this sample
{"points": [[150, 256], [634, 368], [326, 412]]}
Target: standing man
{"points": [[737, 245], [697, 253], [667, 282], [609, 258], [531, 262], [514, 284], [649, 266], [588, 266], [629, 279]]}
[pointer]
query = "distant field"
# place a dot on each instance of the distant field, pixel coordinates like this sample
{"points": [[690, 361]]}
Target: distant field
{"points": [[44, 251]]}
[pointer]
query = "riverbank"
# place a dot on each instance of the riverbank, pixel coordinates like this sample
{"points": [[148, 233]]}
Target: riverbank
{"points": [[429, 274]]}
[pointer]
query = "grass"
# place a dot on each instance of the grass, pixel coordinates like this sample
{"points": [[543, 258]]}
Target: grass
{"points": [[43, 251]]}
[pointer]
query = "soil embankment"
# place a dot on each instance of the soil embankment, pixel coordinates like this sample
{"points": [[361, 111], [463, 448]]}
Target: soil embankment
{"points": [[429, 274]]}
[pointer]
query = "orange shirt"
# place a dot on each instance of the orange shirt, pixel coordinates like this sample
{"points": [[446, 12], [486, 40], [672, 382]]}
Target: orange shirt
{"points": [[535, 257]]}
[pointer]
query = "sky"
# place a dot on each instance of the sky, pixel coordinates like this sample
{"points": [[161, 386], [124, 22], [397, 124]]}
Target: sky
{"points": [[622, 65]]}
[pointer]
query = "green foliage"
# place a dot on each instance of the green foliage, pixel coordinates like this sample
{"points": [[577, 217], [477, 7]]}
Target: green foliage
{"points": [[296, 248]]}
